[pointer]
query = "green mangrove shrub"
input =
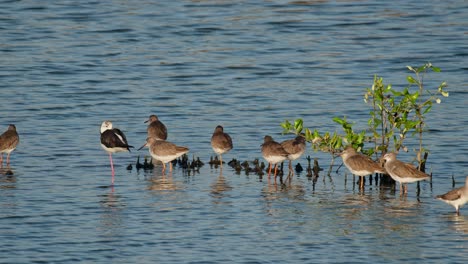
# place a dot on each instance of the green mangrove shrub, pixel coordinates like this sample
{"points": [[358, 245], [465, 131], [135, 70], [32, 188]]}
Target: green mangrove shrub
{"points": [[395, 115]]}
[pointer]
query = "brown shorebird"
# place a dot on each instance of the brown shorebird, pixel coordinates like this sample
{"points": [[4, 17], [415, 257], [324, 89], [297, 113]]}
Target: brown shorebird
{"points": [[8, 142], [156, 128], [221, 142], [273, 152], [112, 141], [295, 147], [402, 172], [359, 164], [456, 197], [164, 151]]}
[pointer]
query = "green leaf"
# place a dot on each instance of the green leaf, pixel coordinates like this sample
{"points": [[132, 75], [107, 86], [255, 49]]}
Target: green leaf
{"points": [[427, 109], [435, 69], [410, 79], [308, 135], [339, 120], [422, 68], [298, 126], [414, 96]]}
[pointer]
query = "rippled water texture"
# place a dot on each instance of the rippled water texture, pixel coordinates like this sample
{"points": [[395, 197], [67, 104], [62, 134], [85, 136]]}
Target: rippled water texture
{"points": [[248, 65]]}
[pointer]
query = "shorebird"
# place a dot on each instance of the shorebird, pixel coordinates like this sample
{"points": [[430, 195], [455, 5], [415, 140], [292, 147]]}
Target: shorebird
{"points": [[359, 164], [156, 128], [113, 140], [402, 172], [456, 197], [273, 152], [295, 148], [164, 151], [221, 142], [8, 142]]}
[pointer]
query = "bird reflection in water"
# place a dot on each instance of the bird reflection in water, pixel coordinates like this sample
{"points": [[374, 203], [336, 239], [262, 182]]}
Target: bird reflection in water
{"points": [[459, 223], [403, 207], [220, 186], [7, 178], [112, 223], [163, 183]]}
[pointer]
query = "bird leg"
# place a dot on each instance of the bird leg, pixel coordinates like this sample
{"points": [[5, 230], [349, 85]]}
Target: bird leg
{"points": [[8, 159], [112, 167], [1, 159], [269, 169]]}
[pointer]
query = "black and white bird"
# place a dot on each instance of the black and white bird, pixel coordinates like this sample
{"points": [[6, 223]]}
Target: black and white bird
{"points": [[112, 141]]}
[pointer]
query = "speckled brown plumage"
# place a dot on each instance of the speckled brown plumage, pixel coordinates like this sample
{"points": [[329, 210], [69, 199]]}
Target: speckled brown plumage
{"points": [[221, 142], [402, 172], [456, 197], [295, 148], [360, 164], [156, 128], [8, 142], [164, 151], [273, 152]]}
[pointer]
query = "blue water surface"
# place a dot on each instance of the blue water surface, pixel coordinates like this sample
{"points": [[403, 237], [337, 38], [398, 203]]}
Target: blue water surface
{"points": [[66, 66]]}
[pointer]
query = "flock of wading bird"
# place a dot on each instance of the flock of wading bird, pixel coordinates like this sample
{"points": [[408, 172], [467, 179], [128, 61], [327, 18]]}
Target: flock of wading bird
{"points": [[113, 140]]}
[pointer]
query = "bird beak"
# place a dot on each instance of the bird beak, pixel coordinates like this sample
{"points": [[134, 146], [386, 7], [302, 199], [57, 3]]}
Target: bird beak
{"points": [[144, 145], [146, 121]]}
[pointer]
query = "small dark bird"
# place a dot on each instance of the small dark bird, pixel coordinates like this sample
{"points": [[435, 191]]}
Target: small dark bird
{"points": [[156, 128], [8, 142], [273, 152], [295, 147], [221, 142]]}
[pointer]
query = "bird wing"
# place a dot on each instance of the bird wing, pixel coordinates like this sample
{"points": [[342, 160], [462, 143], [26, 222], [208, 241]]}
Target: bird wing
{"points": [[115, 138], [288, 145], [157, 129], [404, 170], [228, 140], [221, 139], [274, 148], [279, 149], [451, 195], [9, 140], [168, 148], [363, 161]]}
